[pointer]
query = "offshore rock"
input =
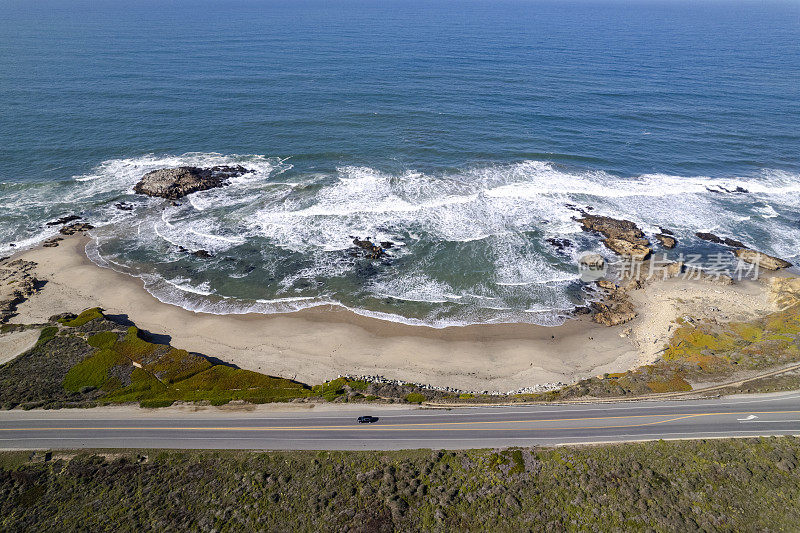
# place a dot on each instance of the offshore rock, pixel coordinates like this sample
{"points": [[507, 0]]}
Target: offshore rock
{"points": [[622, 236], [174, 183], [63, 220], [761, 259], [727, 241], [371, 250]]}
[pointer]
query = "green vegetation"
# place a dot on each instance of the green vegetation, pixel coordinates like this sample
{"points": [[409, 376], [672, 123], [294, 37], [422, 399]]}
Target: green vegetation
{"points": [[46, 335], [93, 361], [729, 485], [415, 397], [83, 318]]}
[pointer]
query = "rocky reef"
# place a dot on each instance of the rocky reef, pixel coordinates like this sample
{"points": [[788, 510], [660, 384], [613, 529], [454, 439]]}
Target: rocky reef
{"points": [[174, 183]]}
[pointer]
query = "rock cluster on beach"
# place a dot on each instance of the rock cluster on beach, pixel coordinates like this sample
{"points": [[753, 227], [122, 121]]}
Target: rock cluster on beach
{"points": [[17, 283], [174, 183], [761, 259]]}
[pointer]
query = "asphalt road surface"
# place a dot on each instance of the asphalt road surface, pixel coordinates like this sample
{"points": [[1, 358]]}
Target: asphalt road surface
{"points": [[333, 428]]}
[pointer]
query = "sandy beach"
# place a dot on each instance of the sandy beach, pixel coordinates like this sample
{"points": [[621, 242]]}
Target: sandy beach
{"points": [[321, 343]]}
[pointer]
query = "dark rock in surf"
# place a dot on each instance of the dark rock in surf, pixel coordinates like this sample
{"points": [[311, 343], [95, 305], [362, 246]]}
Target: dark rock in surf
{"points": [[205, 254], [727, 241], [123, 206], [369, 249], [174, 183], [559, 244], [63, 220], [719, 189]]}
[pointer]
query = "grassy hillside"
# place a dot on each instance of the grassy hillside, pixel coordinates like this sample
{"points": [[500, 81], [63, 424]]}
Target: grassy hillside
{"points": [[718, 485]]}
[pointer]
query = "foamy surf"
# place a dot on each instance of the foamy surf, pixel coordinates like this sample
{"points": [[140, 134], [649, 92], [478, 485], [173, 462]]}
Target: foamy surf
{"points": [[468, 246]]}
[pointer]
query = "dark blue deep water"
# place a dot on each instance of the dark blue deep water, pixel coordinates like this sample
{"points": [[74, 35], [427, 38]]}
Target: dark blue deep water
{"points": [[457, 129]]}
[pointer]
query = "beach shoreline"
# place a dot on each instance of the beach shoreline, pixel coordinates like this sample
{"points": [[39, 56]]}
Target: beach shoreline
{"points": [[318, 344]]}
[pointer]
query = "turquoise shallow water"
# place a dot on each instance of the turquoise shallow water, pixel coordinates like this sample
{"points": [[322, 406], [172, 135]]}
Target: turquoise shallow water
{"points": [[458, 130]]}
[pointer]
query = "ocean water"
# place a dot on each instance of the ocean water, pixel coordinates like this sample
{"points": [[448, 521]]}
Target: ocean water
{"points": [[458, 130]]}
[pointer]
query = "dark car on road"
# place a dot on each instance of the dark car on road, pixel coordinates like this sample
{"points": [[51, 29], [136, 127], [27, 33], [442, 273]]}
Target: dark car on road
{"points": [[367, 419]]}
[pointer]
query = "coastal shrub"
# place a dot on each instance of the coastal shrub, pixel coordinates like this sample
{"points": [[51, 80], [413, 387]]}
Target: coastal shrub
{"points": [[92, 371], [46, 335], [333, 389], [83, 318], [415, 397], [466, 396], [143, 385], [675, 384], [177, 365], [104, 339], [152, 404], [133, 347], [358, 385]]}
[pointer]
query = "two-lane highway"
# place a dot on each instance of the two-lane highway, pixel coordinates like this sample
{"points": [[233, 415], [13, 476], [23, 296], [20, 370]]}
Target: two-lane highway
{"points": [[777, 414]]}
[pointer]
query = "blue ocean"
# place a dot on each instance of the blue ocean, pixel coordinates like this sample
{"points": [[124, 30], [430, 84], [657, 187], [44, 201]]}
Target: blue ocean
{"points": [[461, 131]]}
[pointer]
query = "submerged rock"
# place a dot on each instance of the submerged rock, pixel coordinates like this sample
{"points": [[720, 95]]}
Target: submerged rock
{"points": [[202, 253], [761, 259], [174, 183], [63, 220], [622, 236], [666, 240], [559, 244]]}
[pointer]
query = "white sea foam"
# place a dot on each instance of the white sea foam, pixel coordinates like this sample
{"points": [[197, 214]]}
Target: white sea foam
{"points": [[491, 217]]}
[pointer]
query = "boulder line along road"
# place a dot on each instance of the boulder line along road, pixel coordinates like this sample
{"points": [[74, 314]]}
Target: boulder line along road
{"points": [[479, 427]]}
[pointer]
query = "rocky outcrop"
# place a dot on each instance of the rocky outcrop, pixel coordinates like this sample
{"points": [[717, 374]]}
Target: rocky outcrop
{"points": [[17, 283], [615, 308], [727, 241], [761, 259], [622, 236], [174, 183], [637, 252], [667, 241], [77, 227]]}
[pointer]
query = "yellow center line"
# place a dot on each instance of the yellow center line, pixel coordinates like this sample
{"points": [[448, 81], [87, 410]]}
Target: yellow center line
{"points": [[438, 425]]}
